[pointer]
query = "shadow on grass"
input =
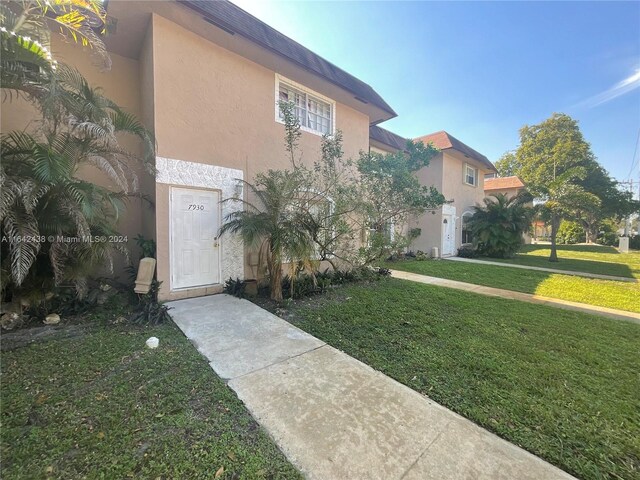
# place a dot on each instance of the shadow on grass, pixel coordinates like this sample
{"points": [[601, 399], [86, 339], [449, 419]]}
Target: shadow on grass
{"points": [[596, 259], [604, 293]]}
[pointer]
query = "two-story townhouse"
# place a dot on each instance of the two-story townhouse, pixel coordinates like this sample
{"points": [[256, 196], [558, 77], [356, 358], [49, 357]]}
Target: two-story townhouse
{"points": [[206, 77], [458, 172]]}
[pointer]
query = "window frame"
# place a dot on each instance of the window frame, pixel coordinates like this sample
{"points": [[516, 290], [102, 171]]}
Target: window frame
{"points": [[476, 172], [308, 93], [467, 213]]}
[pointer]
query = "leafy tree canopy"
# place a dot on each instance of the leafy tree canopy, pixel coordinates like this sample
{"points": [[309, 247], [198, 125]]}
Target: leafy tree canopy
{"points": [[507, 165]]}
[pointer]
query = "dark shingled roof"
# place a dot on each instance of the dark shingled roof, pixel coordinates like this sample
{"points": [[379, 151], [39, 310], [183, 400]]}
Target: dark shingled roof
{"points": [[386, 137], [444, 140], [231, 17]]}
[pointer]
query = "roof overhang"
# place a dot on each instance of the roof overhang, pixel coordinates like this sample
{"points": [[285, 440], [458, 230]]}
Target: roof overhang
{"points": [[132, 23]]}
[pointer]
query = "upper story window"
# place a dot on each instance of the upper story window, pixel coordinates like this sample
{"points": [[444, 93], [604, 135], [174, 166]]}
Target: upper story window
{"points": [[470, 175], [315, 112]]}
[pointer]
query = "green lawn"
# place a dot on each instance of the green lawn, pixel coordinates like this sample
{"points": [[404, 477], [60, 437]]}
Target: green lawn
{"points": [[580, 258], [104, 406], [561, 384], [604, 293]]}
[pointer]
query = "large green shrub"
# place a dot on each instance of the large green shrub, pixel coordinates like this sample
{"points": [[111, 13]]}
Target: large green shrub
{"points": [[608, 233], [570, 233], [499, 225]]}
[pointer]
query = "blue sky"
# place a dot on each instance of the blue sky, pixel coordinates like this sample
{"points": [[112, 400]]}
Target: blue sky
{"points": [[481, 70]]}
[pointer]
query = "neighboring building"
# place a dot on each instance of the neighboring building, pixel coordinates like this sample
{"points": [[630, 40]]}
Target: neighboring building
{"points": [[458, 173], [206, 78], [383, 141], [509, 186]]}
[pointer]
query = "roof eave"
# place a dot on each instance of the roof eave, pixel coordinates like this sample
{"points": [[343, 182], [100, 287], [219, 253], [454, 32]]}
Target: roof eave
{"points": [[386, 112]]}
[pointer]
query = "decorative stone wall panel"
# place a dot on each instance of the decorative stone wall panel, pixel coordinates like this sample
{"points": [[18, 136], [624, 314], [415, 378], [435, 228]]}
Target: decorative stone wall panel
{"points": [[227, 180]]}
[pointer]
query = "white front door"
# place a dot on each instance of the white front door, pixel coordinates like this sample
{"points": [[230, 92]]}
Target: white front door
{"points": [[195, 250], [448, 235]]}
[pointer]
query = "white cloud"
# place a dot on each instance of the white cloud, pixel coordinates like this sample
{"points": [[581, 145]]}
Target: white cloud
{"points": [[625, 86]]}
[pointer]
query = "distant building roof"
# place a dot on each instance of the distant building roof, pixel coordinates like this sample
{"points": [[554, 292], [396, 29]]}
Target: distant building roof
{"points": [[444, 141], [388, 138], [502, 183], [236, 20]]}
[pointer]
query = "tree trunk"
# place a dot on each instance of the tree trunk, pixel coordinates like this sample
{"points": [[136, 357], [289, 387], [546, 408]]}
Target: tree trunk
{"points": [[274, 265], [276, 282], [555, 224], [591, 234]]}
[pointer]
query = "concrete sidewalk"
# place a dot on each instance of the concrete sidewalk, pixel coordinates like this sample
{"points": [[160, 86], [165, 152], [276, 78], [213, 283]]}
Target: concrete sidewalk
{"points": [[335, 417], [523, 297], [544, 269]]}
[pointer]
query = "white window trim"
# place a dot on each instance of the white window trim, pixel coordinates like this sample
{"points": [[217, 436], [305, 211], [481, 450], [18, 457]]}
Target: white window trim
{"points": [[475, 176], [304, 89]]}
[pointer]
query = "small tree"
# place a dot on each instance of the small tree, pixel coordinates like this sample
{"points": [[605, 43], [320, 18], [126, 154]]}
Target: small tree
{"points": [[389, 192], [498, 225], [304, 215], [553, 157], [271, 224]]}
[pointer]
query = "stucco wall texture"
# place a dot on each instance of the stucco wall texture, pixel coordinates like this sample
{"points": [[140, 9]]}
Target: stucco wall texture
{"points": [[205, 104], [445, 172]]}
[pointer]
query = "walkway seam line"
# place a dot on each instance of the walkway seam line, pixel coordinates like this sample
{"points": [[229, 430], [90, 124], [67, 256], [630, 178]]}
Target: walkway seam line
{"points": [[426, 449], [271, 364]]}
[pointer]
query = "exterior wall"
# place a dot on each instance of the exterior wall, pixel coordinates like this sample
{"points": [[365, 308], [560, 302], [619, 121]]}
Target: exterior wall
{"points": [[217, 108], [206, 106], [464, 196], [120, 84], [509, 192], [378, 150], [446, 173], [429, 223]]}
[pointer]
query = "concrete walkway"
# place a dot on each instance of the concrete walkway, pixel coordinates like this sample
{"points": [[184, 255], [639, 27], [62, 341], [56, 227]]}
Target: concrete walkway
{"points": [[335, 417], [544, 269], [523, 297]]}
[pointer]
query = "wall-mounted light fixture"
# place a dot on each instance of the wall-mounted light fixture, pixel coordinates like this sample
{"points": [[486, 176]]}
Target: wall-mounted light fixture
{"points": [[238, 189]]}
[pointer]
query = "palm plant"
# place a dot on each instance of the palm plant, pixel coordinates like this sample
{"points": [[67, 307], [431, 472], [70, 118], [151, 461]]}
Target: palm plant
{"points": [[27, 66], [271, 224], [43, 196], [498, 226]]}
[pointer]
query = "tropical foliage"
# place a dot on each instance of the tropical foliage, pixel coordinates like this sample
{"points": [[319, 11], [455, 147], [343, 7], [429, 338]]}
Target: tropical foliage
{"points": [[570, 232], [559, 168], [302, 216], [57, 226], [270, 224], [499, 224]]}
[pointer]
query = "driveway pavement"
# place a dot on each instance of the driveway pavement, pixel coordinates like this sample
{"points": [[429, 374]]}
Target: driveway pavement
{"points": [[335, 417]]}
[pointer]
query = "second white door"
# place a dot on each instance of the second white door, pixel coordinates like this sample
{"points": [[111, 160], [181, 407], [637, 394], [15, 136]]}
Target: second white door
{"points": [[448, 235]]}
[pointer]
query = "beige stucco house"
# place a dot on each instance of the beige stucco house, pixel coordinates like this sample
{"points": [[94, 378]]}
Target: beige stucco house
{"points": [[206, 77], [510, 186], [458, 172]]}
